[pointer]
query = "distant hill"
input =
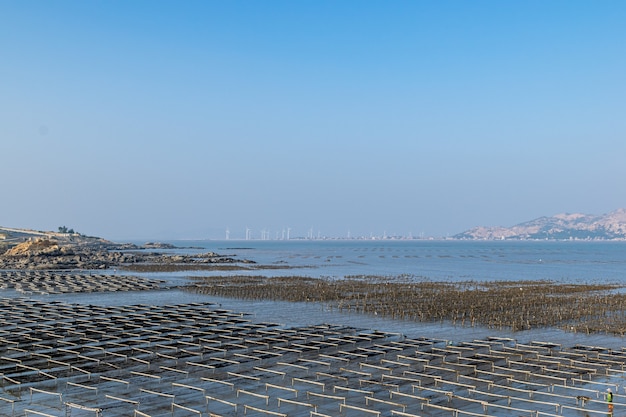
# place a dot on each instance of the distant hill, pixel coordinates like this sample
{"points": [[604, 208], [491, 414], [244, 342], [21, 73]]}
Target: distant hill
{"points": [[10, 237], [611, 226]]}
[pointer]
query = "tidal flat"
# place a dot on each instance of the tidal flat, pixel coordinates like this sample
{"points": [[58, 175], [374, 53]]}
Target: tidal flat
{"points": [[221, 339], [66, 348]]}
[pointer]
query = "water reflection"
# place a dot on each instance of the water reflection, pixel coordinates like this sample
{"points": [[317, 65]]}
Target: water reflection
{"points": [[575, 262], [305, 314]]}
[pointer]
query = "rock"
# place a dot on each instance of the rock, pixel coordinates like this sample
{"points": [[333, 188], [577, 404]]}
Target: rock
{"points": [[33, 246], [53, 251], [158, 245]]}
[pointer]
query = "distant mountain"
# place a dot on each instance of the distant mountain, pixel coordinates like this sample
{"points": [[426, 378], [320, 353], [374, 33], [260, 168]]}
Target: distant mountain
{"points": [[611, 226]]}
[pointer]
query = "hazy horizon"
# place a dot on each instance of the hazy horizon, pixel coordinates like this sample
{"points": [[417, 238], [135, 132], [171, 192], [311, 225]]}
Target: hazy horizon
{"points": [[288, 233], [171, 120]]}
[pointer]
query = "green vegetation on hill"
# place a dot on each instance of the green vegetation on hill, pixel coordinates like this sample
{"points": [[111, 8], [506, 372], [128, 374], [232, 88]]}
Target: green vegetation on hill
{"points": [[64, 229]]}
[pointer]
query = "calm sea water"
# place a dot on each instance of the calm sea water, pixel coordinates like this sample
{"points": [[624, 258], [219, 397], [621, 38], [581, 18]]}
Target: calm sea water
{"points": [[438, 260], [576, 262]]}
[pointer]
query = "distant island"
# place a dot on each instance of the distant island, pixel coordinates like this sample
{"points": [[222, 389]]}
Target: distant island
{"points": [[611, 226]]}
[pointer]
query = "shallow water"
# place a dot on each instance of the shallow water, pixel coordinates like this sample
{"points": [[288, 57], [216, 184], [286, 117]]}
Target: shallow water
{"points": [[574, 261], [305, 314], [577, 262], [440, 262]]}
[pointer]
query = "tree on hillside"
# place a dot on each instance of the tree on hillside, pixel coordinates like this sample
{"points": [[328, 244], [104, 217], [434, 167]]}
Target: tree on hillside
{"points": [[64, 229]]}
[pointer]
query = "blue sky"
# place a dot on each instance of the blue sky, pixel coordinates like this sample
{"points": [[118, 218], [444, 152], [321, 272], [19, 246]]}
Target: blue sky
{"points": [[163, 119]]}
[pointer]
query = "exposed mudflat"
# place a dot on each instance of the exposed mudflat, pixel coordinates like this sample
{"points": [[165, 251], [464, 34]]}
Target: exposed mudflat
{"points": [[514, 305]]}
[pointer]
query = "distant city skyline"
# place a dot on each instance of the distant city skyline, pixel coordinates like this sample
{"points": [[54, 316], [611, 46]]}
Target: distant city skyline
{"points": [[168, 120], [311, 233]]}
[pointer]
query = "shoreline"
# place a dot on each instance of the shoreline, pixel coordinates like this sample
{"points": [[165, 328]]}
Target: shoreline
{"points": [[157, 349]]}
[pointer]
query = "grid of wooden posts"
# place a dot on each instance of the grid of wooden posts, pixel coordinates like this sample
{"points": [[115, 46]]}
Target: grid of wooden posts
{"points": [[196, 359], [54, 282]]}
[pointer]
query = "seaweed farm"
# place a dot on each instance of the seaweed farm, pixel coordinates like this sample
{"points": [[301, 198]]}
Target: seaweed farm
{"points": [[176, 344], [514, 305], [59, 359], [51, 282]]}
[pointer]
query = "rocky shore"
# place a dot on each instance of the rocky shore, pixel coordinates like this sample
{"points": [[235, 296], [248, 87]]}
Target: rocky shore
{"points": [[52, 252]]}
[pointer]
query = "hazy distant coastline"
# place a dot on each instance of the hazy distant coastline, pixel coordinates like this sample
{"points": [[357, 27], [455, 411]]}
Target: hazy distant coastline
{"points": [[565, 226], [611, 226]]}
